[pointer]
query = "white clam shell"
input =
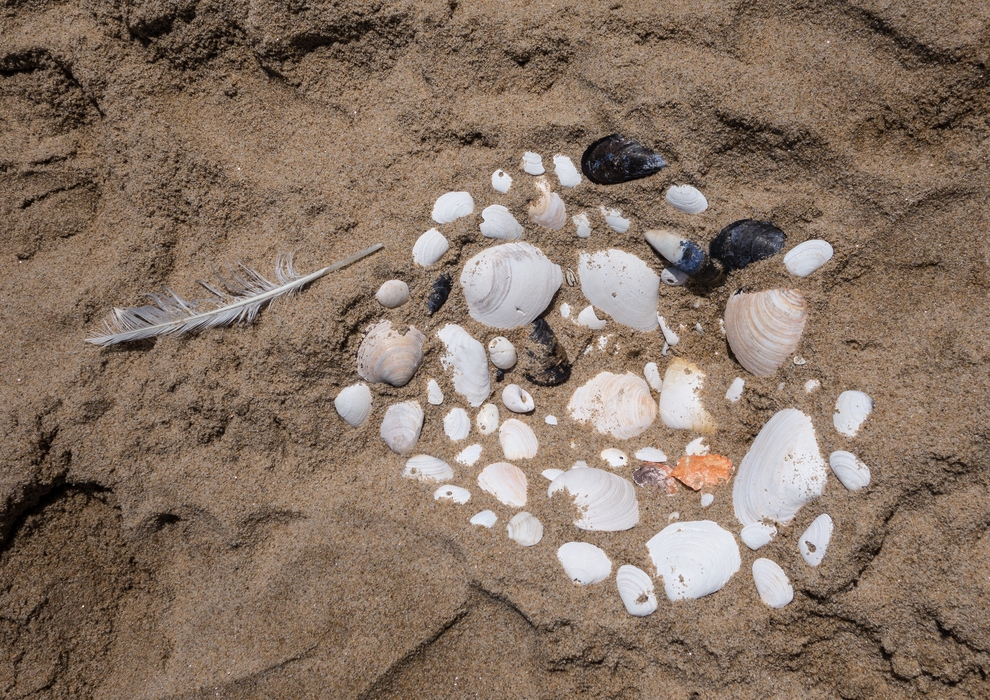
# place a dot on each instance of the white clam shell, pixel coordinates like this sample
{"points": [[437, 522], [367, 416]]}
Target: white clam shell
{"points": [[814, 542], [680, 399], [772, 583], [502, 352], [500, 223], [401, 426], [517, 439], [517, 399], [687, 199], [487, 420], [506, 482], [392, 293], [525, 529], [429, 248], [607, 501], [615, 457], [469, 455], [636, 590], [652, 374], [615, 221], [621, 285], [468, 361], [485, 518], [590, 319], [509, 285], [548, 211], [694, 558], [452, 206], [501, 181], [566, 172], [584, 563], [449, 492], [434, 394], [782, 471], [353, 404], [388, 356], [532, 163], [807, 257], [672, 277], [851, 410], [457, 424], [756, 535], [427, 468], [651, 454], [582, 225], [853, 474], [764, 329], [735, 390], [619, 405]]}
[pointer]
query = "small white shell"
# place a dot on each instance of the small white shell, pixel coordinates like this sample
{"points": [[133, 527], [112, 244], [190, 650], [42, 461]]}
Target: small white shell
{"points": [[401, 426], [388, 356], [565, 310], [621, 285], [549, 210], [517, 399], [501, 181], [469, 455], [427, 468], [532, 163], [487, 420], [615, 457], [814, 541], [466, 357], [429, 248], [452, 206], [509, 285], [853, 474], [772, 583], [687, 199], [582, 224], [434, 394], [851, 410], [694, 559], [652, 374], [551, 474], [566, 172], [502, 352], [615, 221], [606, 500], [517, 439], [651, 454], [500, 223], [457, 424], [696, 447], [584, 563], [707, 499], [589, 318], [680, 399], [506, 482], [392, 294], [807, 257], [619, 405], [668, 333], [550, 420], [764, 329], [636, 590], [449, 492], [525, 529], [672, 277], [756, 535], [353, 404], [735, 390], [485, 518]]}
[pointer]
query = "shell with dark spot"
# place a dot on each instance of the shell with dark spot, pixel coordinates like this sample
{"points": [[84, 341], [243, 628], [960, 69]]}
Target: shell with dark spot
{"points": [[616, 159], [439, 294], [746, 241], [544, 361]]}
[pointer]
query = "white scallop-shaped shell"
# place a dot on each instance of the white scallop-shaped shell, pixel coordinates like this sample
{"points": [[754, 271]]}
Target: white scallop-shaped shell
{"points": [[636, 590], [772, 583], [851, 409], [589, 318], [615, 221], [621, 285], [680, 399], [694, 559], [401, 426], [388, 356], [735, 390], [814, 542], [485, 518], [500, 223], [672, 277], [525, 529], [392, 294], [517, 439], [652, 374], [506, 482], [687, 199], [607, 501], [853, 474], [782, 471], [468, 361], [582, 225], [532, 163], [756, 535], [566, 172], [449, 492], [452, 206], [509, 285], [764, 328], [651, 454], [807, 257], [584, 563], [502, 352], [353, 404], [487, 420], [615, 457], [457, 424], [429, 248], [517, 399], [427, 468], [501, 181], [469, 455], [548, 211], [434, 394], [619, 405]]}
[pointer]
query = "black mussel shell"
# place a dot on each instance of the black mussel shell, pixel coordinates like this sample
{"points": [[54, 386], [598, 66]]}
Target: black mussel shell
{"points": [[744, 242], [544, 361], [616, 159], [441, 290]]}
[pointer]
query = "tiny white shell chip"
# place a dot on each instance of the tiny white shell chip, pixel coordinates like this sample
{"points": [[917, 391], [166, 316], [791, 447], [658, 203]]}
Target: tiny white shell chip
{"points": [[619, 405], [588, 318], [756, 535], [851, 410], [392, 293], [687, 199], [517, 399], [517, 440], [469, 455], [615, 220], [735, 390], [500, 223], [525, 529], [485, 518], [696, 447], [551, 420], [680, 400], [487, 420], [668, 333], [606, 500], [502, 352], [551, 474], [509, 285], [434, 394], [582, 224], [452, 206], [807, 257], [694, 559], [672, 277], [469, 362], [636, 590], [707, 499], [506, 482], [429, 248], [651, 454], [427, 468], [615, 457], [584, 563], [652, 374], [566, 172], [401, 426], [811, 385], [580, 464], [815, 539], [532, 163], [353, 404], [501, 181], [457, 424], [853, 474], [549, 210], [449, 492], [621, 285], [772, 583], [565, 310]]}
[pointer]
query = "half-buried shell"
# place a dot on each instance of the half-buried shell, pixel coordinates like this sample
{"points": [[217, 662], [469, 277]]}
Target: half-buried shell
{"points": [[636, 590], [548, 211], [468, 361], [525, 529], [427, 468], [506, 482], [452, 206], [401, 426], [584, 563], [621, 285], [680, 398], [606, 501], [619, 405]]}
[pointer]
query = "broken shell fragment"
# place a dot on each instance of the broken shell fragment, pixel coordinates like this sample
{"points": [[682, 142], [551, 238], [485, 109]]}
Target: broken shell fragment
{"points": [[735, 390], [744, 242], [584, 563], [401, 426], [615, 457], [853, 474], [449, 492], [517, 439], [392, 294], [545, 362], [502, 352], [532, 163], [764, 329], [807, 257], [851, 409], [636, 590], [655, 474], [509, 285], [517, 399], [504, 481], [466, 357], [388, 356], [501, 181], [457, 424], [439, 293], [548, 211], [427, 468], [606, 501], [756, 535], [672, 277], [694, 559], [434, 394], [429, 248], [353, 404], [566, 172], [619, 405], [621, 285], [485, 518], [469, 455], [652, 374], [687, 199], [487, 420], [452, 206], [651, 454], [525, 529], [815, 539], [772, 583], [582, 225], [589, 319], [680, 399], [616, 159], [696, 471], [500, 223], [615, 221]]}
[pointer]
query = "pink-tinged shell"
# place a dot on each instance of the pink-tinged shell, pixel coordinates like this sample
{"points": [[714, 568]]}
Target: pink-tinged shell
{"points": [[764, 328]]}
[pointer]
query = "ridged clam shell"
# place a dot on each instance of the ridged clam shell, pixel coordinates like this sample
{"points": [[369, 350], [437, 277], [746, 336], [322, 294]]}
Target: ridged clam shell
{"points": [[509, 285], [487, 420], [502, 352], [548, 211], [694, 559], [814, 542], [434, 394], [457, 424], [532, 163], [388, 356], [467, 359], [517, 399], [636, 590], [619, 405], [392, 294], [687, 199], [500, 223], [429, 248], [607, 501], [851, 410], [427, 468], [744, 242], [756, 535], [501, 181], [401, 426], [584, 563], [452, 206], [807, 257], [590, 319], [525, 529], [544, 361], [517, 439], [782, 471], [616, 159], [764, 329], [582, 225], [449, 492], [772, 583], [853, 474], [506, 482], [680, 398], [621, 285], [485, 518], [566, 172], [353, 404]]}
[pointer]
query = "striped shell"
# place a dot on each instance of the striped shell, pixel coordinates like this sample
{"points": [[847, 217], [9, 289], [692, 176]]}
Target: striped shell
{"points": [[764, 329]]}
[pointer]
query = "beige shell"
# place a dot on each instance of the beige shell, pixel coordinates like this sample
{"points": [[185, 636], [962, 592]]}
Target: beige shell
{"points": [[487, 419], [388, 356], [764, 328], [549, 210], [525, 529], [619, 405], [509, 285], [401, 426], [392, 294], [680, 398], [517, 439], [506, 482]]}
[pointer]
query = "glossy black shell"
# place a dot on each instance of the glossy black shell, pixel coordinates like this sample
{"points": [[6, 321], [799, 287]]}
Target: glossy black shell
{"points": [[616, 159], [544, 361], [746, 241], [439, 294]]}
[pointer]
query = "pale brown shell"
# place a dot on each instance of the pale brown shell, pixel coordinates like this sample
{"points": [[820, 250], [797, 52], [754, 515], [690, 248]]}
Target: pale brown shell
{"points": [[388, 356], [764, 328]]}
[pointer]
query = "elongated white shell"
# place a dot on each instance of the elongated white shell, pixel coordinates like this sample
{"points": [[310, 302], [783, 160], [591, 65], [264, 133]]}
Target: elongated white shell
{"points": [[851, 410], [735, 390], [387, 356], [452, 206], [652, 374], [651, 454], [506, 482], [582, 225], [615, 221], [525, 529], [427, 468], [590, 319], [517, 399], [782, 471], [449, 492], [566, 172], [499, 223], [532, 163], [619, 405], [584, 563], [392, 294], [694, 559], [434, 394], [853, 474], [353, 404], [687, 199], [457, 424], [509, 285], [467, 358], [815, 539], [401, 426], [501, 181], [607, 501], [807, 257], [621, 285], [772, 583], [756, 535], [680, 399], [636, 590], [517, 440], [485, 518], [764, 329], [548, 211], [487, 420], [429, 248], [502, 352]]}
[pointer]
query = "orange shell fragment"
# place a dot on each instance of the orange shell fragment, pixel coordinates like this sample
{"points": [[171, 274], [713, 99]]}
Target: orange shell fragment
{"points": [[695, 471]]}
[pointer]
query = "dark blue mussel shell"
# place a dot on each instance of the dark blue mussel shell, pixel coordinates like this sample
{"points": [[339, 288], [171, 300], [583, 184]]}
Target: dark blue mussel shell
{"points": [[616, 159], [439, 293], [544, 361], [746, 241]]}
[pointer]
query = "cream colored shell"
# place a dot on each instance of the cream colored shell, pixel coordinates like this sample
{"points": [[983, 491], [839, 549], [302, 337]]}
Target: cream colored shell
{"points": [[852, 408], [680, 398], [502, 352], [687, 199], [517, 399], [619, 405], [548, 211], [452, 206], [853, 473], [807, 257], [401, 426], [772, 583], [388, 356], [506, 482], [429, 248], [764, 328], [393, 293], [427, 468], [814, 542]]}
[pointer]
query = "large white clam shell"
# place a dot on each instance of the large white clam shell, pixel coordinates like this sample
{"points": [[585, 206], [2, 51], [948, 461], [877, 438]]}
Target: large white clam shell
{"points": [[500, 223], [452, 206], [607, 501], [548, 211], [457, 424], [401, 426], [506, 482], [853, 474], [525, 529], [851, 409], [584, 563], [782, 471], [353, 404], [427, 468], [807, 257], [687, 199], [429, 248], [636, 590], [815, 539], [619, 405], [501, 181], [393, 293], [772, 583], [502, 352], [764, 328], [487, 420], [694, 558], [449, 492], [621, 285], [532, 163], [680, 398], [566, 172], [517, 399], [509, 285], [467, 359], [517, 439], [388, 356]]}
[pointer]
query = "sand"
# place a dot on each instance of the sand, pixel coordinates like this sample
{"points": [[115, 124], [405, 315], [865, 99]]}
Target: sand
{"points": [[189, 517]]}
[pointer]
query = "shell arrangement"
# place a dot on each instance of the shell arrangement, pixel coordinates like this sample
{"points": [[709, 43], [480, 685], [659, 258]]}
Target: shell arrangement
{"points": [[510, 287]]}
